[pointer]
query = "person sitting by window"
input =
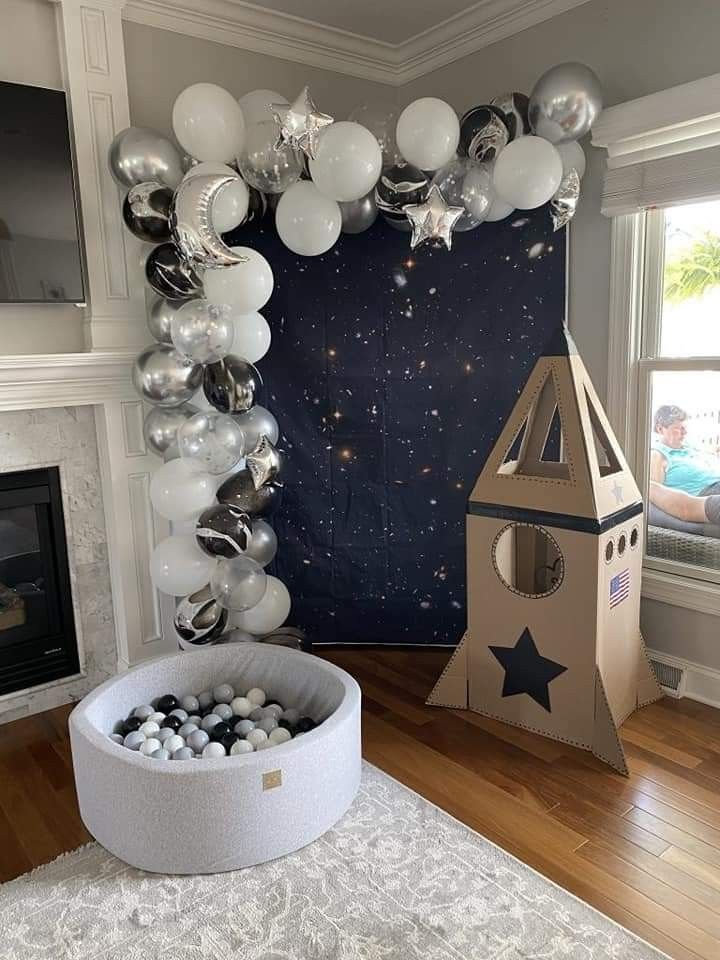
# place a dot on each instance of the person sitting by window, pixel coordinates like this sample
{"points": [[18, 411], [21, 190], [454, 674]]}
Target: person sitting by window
{"points": [[675, 464], [679, 504]]}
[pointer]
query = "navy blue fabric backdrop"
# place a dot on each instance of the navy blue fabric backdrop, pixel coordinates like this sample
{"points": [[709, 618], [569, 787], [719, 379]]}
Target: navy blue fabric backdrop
{"points": [[391, 374]]}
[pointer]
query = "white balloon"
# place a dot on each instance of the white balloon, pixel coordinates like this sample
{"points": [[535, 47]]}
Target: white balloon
{"points": [[499, 210], [527, 172], [252, 337], [572, 156], [270, 613], [179, 567], [307, 221], [257, 105], [178, 492], [427, 133], [210, 169], [245, 286], [208, 122], [348, 161], [230, 206]]}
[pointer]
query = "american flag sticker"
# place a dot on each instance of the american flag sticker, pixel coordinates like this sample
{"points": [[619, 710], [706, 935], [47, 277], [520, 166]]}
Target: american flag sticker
{"points": [[619, 588]]}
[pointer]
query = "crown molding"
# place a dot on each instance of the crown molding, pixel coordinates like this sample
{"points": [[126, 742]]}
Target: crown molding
{"points": [[287, 37]]}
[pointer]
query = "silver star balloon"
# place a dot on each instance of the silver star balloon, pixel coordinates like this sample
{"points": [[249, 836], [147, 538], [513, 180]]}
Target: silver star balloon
{"points": [[433, 219], [300, 123], [264, 463], [564, 204]]}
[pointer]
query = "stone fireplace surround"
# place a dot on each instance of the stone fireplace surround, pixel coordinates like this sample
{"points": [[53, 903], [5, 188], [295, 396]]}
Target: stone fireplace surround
{"points": [[79, 411]]}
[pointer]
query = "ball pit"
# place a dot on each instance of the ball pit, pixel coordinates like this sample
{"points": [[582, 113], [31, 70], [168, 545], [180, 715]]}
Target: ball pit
{"points": [[243, 802]]}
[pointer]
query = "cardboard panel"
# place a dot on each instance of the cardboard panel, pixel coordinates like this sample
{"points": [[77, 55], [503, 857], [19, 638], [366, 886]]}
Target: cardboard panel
{"points": [[606, 742], [451, 690]]}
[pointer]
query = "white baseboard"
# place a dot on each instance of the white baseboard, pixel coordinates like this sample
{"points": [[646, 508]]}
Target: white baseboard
{"points": [[698, 682]]}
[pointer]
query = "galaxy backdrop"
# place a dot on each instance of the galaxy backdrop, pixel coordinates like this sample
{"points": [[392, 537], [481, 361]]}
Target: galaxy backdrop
{"points": [[391, 374]]}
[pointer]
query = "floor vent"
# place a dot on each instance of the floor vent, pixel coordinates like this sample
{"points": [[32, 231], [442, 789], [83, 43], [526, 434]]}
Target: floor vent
{"points": [[670, 678]]}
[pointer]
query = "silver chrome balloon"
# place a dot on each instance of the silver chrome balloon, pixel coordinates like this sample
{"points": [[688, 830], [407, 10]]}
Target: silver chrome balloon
{"points": [[255, 423], [232, 384], [160, 317], [263, 543], [564, 204], [138, 154], [161, 427], [192, 226], [199, 619], [165, 378], [264, 462], [359, 215], [565, 102]]}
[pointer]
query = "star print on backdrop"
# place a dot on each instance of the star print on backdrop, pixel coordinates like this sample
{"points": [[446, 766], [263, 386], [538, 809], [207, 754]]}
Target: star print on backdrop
{"points": [[526, 671]]}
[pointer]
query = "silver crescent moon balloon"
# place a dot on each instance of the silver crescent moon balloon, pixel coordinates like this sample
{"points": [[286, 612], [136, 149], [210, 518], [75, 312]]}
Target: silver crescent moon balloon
{"points": [[161, 427], [138, 154], [565, 102], [192, 226]]}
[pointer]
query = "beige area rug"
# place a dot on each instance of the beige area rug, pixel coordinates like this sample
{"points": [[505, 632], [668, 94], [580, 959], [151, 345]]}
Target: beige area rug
{"points": [[396, 879]]}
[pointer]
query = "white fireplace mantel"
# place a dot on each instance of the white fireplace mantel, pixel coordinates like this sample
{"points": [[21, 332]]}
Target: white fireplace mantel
{"points": [[103, 379]]}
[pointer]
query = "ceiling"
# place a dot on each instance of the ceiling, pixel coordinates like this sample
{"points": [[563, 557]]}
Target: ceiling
{"points": [[389, 41], [387, 21]]}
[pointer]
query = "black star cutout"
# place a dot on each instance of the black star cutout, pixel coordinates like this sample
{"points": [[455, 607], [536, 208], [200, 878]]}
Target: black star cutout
{"points": [[526, 671]]}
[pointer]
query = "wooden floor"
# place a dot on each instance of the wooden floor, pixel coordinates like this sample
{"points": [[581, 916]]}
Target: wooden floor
{"points": [[644, 850]]}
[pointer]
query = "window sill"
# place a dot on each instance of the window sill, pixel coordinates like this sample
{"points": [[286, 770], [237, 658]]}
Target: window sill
{"points": [[699, 595]]}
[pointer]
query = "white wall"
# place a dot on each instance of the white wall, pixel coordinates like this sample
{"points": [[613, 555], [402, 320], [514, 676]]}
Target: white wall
{"points": [[637, 47]]}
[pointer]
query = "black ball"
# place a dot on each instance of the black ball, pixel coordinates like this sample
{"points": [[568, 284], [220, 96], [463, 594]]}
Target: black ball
{"points": [[400, 185], [229, 739], [132, 723], [483, 133], [167, 703], [173, 722], [223, 531], [234, 719], [305, 725], [204, 711], [282, 722], [219, 731]]}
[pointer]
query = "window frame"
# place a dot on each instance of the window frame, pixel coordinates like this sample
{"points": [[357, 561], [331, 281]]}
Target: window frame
{"points": [[636, 297]]}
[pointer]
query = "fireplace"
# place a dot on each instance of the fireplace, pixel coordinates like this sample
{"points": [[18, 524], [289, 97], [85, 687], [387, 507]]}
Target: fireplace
{"points": [[37, 629]]}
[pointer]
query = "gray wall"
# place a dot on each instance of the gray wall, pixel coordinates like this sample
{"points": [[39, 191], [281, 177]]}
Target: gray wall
{"points": [[637, 47]]}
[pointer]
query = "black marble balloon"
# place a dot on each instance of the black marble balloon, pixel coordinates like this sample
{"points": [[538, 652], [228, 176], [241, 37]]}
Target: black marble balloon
{"points": [[483, 133], [239, 491], [400, 185], [223, 531], [514, 108], [231, 385], [199, 619], [146, 211], [169, 275]]}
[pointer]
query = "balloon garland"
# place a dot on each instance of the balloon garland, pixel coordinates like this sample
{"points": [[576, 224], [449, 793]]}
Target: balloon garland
{"points": [[425, 171]]}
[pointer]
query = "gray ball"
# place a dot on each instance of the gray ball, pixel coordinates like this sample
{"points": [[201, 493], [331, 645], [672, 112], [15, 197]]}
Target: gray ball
{"points": [[160, 754], [184, 753], [205, 699], [190, 703], [223, 693], [267, 724], [134, 740], [209, 721], [197, 740], [256, 714], [243, 727], [223, 710]]}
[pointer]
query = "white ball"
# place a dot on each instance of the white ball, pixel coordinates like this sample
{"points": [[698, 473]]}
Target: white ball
{"points": [[143, 712], [257, 105], [256, 696], [164, 733], [271, 611], [572, 156], [279, 735], [348, 161], [265, 745], [160, 754], [240, 747], [213, 750], [174, 743], [427, 133], [198, 740], [245, 286], [209, 721], [149, 746], [307, 221], [223, 693], [134, 740], [190, 703], [527, 172], [256, 737], [179, 567], [157, 717], [230, 205], [252, 336], [208, 122], [241, 706], [184, 753], [178, 492], [186, 729], [149, 728]]}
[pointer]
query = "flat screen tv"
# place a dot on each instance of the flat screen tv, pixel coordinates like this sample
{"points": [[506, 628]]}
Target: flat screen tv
{"points": [[40, 258]]}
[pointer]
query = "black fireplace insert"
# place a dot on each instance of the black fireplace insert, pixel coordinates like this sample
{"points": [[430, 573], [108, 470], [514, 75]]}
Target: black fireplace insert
{"points": [[37, 628]]}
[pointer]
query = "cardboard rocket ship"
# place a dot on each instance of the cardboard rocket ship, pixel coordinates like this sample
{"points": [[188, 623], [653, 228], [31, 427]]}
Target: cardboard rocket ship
{"points": [[554, 561]]}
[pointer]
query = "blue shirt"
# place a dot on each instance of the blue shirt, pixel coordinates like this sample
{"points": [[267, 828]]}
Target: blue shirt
{"points": [[688, 469]]}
